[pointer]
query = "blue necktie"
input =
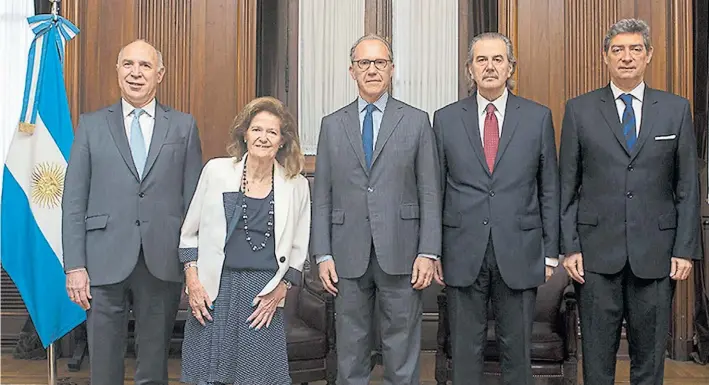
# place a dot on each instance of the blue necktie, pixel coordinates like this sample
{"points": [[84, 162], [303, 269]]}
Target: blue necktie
{"points": [[137, 142], [629, 121], [368, 135]]}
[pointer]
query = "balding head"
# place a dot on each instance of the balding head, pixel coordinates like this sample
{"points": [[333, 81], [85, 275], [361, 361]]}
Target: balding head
{"points": [[140, 69]]}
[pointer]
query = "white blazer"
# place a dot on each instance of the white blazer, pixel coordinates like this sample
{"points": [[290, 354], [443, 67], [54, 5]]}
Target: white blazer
{"points": [[205, 226]]}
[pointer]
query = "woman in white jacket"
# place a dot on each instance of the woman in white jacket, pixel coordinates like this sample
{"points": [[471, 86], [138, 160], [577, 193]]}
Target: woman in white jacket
{"points": [[243, 244]]}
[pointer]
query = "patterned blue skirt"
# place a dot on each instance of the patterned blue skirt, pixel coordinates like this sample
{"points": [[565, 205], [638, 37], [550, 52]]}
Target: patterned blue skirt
{"points": [[226, 350]]}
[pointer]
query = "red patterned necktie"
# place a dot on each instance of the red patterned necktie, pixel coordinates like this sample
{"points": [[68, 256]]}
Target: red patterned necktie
{"points": [[491, 136]]}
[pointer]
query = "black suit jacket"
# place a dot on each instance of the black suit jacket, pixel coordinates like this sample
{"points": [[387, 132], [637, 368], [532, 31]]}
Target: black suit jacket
{"points": [[517, 203], [640, 206]]}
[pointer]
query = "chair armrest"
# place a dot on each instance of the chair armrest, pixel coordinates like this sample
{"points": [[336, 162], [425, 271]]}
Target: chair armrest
{"points": [[569, 314]]}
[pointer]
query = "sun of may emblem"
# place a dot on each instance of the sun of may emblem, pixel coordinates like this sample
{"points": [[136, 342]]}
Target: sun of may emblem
{"points": [[47, 184]]}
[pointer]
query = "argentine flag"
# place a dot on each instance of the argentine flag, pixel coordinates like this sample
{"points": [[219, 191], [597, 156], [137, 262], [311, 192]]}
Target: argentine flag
{"points": [[33, 182]]}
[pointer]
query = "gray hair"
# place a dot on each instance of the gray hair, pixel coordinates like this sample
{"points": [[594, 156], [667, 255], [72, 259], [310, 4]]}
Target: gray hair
{"points": [[628, 26], [159, 54], [371, 36], [510, 56]]}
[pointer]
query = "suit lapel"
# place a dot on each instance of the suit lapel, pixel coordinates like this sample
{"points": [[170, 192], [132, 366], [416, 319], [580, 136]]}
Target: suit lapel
{"points": [[509, 125], [281, 199], [116, 127], [350, 121], [162, 122], [472, 127], [392, 116], [610, 114], [649, 116], [238, 170]]}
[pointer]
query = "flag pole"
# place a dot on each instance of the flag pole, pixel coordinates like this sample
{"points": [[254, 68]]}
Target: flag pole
{"points": [[51, 365], [51, 353]]}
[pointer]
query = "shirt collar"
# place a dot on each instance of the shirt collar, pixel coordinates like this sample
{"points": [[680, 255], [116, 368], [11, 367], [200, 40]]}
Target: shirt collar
{"points": [[637, 92], [148, 108], [499, 103], [381, 103]]}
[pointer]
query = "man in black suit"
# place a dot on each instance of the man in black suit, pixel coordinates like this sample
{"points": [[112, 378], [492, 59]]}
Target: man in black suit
{"points": [[629, 208], [500, 212]]}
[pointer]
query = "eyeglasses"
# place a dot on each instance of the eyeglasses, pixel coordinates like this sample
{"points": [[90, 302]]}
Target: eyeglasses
{"points": [[380, 64]]}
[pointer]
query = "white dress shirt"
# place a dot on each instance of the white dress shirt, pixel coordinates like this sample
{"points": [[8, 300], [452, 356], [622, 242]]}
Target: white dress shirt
{"points": [[637, 93], [147, 120], [500, 105]]}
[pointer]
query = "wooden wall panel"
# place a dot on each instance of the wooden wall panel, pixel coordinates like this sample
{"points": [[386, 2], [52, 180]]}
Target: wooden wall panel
{"points": [[172, 38], [208, 47], [378, 18], [559, 52]]}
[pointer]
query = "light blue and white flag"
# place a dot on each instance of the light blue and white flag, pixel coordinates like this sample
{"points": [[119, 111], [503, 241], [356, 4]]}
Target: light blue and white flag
{"points": [[33, 182]]}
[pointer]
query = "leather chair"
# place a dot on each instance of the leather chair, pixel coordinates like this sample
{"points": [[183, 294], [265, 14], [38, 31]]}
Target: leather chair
{"points": [[310, 331], [555, 355]]}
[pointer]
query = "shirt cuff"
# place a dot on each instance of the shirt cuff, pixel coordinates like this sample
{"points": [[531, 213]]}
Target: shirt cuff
{"points": [[75, 269], [322, 258], [187, 254], [429, 256], [551, 262]]}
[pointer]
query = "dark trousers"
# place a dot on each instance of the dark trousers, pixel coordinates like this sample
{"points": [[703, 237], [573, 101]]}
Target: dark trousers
{"points": [[514, 314], [155, 304], [646, 305], [400, 311]]}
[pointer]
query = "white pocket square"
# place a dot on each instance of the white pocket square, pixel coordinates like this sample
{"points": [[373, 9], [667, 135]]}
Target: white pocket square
{"points": [[666, 137]]}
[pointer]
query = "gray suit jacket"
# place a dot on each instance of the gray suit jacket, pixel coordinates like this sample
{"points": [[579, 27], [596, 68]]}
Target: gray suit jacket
{"points": [[108, 212], [619, 206], [517, 205], [396, 204]]}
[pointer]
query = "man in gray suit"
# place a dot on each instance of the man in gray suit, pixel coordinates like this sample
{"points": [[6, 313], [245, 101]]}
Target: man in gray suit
{"points": [[132, 171], [630, 209], [376, 230], [500, 212]]}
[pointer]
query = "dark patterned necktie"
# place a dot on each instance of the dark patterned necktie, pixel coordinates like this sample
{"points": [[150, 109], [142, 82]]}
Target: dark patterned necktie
{"points": [[629, 121]]}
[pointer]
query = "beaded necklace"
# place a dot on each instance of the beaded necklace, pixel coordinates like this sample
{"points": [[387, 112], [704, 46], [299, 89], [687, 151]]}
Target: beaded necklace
{"points": [[245, 216]]}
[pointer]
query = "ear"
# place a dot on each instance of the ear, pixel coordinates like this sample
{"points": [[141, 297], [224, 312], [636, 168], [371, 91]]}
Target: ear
{"points": [[160, 74], [605, 58], [352, 72], [649, 55]]}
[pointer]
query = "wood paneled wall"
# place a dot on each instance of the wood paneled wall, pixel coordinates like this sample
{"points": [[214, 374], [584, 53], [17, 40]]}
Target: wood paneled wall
{"points": [[558, 44], [208, 48]]}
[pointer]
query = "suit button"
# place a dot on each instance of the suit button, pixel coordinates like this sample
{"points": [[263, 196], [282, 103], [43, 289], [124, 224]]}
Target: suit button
{"points": [[492, 193], [367, 218], [137, 223], [485, 221], [630, 167], [369, 189], [629, 194], [282, 259], [141, 195]]}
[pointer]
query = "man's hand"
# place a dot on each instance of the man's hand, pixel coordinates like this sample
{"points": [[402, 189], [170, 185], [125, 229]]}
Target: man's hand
{"points": [[439, 272], [680, 269], [328, 276], [423, 272], [548, 272], [573, 263], [77, 286]]}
